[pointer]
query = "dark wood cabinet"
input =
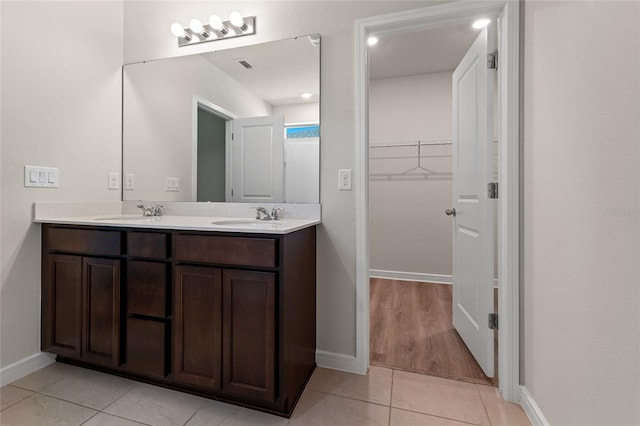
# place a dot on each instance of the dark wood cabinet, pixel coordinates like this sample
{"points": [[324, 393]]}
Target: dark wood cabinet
{"points": [[249, 322], [62, 305], [146, 346], [197, 325], [101, 311], [81, 308], [225, 315]]}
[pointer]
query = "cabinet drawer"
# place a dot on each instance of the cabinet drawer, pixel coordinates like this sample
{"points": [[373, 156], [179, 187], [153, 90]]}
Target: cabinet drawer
{"points": [[147, 244], [146, 288], [85, 241], [146, 346], [260, 252]]}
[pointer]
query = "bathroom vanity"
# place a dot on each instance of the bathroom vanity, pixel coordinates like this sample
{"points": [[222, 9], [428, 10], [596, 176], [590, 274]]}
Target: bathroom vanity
{"points": [[223, 312]]}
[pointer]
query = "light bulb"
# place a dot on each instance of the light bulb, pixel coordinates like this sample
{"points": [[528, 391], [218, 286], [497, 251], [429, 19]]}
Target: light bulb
{"points": [[216, 23], [236, 19], [481, 23], [177, 30], [372, 40], [196, 25]]}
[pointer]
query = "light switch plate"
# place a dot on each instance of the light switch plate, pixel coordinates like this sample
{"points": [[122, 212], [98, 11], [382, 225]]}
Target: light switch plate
{"points": [[344, 179], [41, 177], [114, 180], [129, 181], [172, 184]]}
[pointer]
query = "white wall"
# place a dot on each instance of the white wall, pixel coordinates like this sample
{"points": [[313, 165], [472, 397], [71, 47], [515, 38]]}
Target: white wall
{"points": [[158, 111], [409, 230], [299, 113], [582, 210], [60, 108]]}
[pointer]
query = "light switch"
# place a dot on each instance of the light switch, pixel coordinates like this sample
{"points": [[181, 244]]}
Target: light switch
{"points": [[344, 179], [41, 177], [114, 180], [129, 181], [172, 184]]}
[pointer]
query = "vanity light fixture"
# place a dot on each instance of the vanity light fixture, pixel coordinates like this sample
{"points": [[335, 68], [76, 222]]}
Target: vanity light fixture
{"points": [[216, 29]]}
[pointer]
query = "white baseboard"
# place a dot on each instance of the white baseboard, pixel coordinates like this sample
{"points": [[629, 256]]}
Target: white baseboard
{"points": [[24, 367], [410, 276], [337, 361], [531, 408]]}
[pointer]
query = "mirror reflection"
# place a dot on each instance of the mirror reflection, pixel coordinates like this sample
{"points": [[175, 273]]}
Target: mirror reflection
{"points": [[237, 125]]}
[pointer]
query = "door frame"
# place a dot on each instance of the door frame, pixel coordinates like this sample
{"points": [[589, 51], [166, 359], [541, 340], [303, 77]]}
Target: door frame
{"points": [[228, 116], [508, 14]]}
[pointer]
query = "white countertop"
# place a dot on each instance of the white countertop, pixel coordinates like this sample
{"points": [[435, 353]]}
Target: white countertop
{"points": [[188, 223]]}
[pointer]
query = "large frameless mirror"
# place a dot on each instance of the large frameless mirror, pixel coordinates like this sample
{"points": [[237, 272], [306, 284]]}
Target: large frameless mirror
{"points": [[240, 125]]}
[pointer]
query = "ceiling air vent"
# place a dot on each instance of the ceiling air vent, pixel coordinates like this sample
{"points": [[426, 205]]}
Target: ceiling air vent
{"points": [[246, 65]]}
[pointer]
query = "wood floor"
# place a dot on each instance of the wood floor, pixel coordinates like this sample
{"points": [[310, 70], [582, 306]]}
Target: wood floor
{"points": [[412, 330]]}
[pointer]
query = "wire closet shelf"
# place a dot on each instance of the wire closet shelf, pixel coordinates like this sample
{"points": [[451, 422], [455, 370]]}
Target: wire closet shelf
{"points": [[426, 159]]}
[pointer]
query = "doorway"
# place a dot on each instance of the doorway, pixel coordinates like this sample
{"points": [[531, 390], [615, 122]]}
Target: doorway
{"points": [[413, 78], [507, 205], [211, 157]]}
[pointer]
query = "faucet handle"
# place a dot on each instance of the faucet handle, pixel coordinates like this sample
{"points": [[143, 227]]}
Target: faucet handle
{"points": [[277, 213], [146, 210], [261, 213], [157, 209]]}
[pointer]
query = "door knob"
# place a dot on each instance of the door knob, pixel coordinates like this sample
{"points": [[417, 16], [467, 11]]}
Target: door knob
{"points": [[450, 212]]}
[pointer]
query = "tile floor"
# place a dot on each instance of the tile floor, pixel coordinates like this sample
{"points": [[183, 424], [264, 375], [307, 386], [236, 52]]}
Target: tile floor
{"points": [[64, 395]]}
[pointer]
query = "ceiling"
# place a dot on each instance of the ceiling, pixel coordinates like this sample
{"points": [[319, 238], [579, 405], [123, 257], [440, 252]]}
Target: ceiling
{"points": [[420, 52], [284, 69]]}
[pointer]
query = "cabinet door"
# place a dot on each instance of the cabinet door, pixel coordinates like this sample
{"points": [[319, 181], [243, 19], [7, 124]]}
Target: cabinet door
{"points": [[197, 325], [249, 333], [101, 311], [62, 305]]}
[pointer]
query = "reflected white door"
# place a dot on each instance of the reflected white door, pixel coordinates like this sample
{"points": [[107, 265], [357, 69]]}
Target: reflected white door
{"points": [[258, 159], [473, 220]]}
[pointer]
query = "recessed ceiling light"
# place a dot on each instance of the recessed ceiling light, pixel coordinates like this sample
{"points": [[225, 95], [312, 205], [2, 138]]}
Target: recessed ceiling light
{"points": [[306, 95], [481, 23], [372, 40]]}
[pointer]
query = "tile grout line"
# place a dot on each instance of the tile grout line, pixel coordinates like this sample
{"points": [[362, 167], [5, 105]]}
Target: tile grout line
{"points": [[393, 373], [484, 406], [126, 418], [68, 402], [349, 397], [94, 414], [19, 401], [194, 414], [437, 416]]}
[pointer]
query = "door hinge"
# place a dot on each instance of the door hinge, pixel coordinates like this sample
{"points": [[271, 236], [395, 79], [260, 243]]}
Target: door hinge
{"points": [[232, 192], [492, 60], [493, 321], [232, 136], [492, 189]]}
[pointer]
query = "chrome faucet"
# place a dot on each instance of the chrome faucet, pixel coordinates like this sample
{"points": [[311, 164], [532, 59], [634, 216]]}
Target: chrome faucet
{"points": [[277, 213], [263, 214], [148, 210]]}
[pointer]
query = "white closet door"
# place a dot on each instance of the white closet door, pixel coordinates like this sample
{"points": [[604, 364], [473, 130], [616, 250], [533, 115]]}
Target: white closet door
{"points": [[258, 159], [473, 219]]}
